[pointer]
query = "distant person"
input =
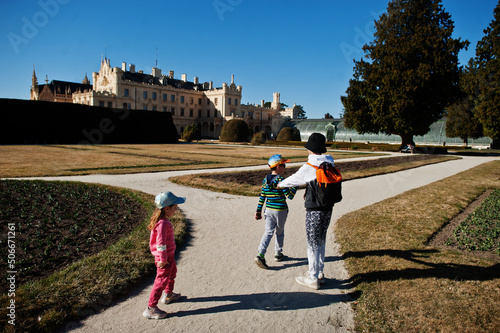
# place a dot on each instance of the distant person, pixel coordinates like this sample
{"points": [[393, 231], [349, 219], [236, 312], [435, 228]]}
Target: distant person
{"points": [[162, 246], [276, 210], [317, 217]]}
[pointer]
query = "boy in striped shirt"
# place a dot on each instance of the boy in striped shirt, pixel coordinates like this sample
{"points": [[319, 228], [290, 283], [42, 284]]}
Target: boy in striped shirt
{"points": [[276, 209]]}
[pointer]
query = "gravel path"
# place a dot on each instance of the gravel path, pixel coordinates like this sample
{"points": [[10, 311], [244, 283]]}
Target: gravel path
{"points": [[224, 290]]}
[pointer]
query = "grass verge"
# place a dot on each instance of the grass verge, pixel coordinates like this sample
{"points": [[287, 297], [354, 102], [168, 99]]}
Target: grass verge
{"points": [[90, 284], [405, 285]]}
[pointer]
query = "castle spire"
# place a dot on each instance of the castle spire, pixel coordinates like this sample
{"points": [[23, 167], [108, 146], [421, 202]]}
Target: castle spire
{"points": [[34, 80]]}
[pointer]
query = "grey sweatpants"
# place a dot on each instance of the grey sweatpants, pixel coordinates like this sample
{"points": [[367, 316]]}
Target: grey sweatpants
{"points": [[275, 222]]}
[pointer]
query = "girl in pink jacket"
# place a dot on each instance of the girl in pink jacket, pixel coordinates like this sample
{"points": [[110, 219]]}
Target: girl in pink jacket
{"points": [[162, 246]]}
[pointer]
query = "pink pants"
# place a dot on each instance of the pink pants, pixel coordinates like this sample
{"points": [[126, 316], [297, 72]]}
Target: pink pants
{"points": [[165, 279]]}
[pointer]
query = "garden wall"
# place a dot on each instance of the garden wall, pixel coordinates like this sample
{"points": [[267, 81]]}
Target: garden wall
{"points": [[37, 122]]}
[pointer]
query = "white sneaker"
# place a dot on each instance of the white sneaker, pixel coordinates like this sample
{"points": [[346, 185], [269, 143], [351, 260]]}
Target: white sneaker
{"points": [[154, 313], [307, 282], [321, 278]]}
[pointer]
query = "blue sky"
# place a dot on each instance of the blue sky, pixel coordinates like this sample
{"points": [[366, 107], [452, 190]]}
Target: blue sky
{"points": [[302, 49]]}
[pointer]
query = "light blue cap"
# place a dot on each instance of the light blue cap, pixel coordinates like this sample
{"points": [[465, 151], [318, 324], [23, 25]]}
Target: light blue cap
{"points": [[165, 199]]}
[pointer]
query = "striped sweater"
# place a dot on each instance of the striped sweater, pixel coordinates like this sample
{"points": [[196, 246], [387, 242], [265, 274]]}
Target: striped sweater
{"points": [[276, 197]]}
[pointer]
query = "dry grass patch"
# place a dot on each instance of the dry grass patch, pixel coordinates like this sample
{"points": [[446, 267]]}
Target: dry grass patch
{"points": [[69, 160], [406, 285]]}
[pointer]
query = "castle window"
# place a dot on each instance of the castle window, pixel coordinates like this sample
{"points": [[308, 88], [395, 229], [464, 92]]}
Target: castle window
{"points": [[101, 103], [199, 101], [144, 94], [145, 107], [164, 97], [208, 113], [182, 99], [191, 112], [199, 113], [110, 104], [126, 92], [182, 112], [124, 106], [154, 96], [229, 101], [235, 101], [172, 110], [165, 109], [172, 98]]}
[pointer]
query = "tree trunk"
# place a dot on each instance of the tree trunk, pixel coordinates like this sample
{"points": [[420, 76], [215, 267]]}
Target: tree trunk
{"points": [[406, 140]]}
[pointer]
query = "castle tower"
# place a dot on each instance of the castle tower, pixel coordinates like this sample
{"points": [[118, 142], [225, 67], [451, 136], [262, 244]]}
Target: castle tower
{"points": [[276, 101]]}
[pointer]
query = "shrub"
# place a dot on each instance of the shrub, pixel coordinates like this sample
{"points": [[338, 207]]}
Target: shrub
{"points": [[191, 132], [259, 138], [289, 134], [235, 130]]}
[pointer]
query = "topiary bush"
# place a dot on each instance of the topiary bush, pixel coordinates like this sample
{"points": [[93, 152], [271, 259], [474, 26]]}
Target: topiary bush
{"points": [[288, 134], [191, 132], [259, 138], [234, 130]]}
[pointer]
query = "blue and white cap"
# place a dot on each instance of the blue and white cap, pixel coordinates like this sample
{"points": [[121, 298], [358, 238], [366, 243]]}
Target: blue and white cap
{"points": [[165, 199]]}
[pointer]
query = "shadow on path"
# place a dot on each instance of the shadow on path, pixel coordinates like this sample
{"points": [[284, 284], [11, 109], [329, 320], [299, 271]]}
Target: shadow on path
{"points": [[287, 301]]}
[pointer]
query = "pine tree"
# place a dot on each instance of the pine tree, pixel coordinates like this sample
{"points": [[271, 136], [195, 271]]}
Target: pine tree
{"points": [[410, 72], [487, 109]]}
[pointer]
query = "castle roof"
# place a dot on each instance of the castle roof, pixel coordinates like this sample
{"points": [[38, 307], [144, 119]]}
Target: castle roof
{"points": [[60, 87], [163, 81]]}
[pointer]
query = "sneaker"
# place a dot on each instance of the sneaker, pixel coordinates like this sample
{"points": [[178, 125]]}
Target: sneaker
{"points": [[154, 313], [279, 256], [321, 278], [166, 300], [307, 282], [261, 262]]}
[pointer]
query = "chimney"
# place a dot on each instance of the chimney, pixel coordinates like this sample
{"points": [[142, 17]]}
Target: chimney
{"points": [[211, 85], [170, 74], [262, 103], [124, 66], [184, 77], [132, 68], [195, 80], [156, 72]]}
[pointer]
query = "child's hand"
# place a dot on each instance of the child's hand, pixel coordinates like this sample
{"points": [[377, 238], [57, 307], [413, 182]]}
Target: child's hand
{"points": [[162, 264], [258, 216]]}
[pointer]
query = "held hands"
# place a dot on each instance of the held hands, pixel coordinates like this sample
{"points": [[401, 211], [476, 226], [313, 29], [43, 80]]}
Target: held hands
{"points": [[258, 216]]}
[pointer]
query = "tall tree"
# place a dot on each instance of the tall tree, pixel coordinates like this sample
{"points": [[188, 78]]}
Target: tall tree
{"points": [[460, 120], [409, 74], [487, 108], [301, 114]]}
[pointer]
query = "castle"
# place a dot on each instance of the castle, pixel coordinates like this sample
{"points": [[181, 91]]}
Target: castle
{"points": [[188, 102]]}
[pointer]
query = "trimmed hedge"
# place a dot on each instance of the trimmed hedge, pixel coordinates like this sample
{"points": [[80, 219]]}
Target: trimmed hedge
{"points": [[234, 130]]}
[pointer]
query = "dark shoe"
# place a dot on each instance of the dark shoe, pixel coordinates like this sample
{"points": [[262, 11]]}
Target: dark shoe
{"points": [[261, 262], [278, 257]]}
